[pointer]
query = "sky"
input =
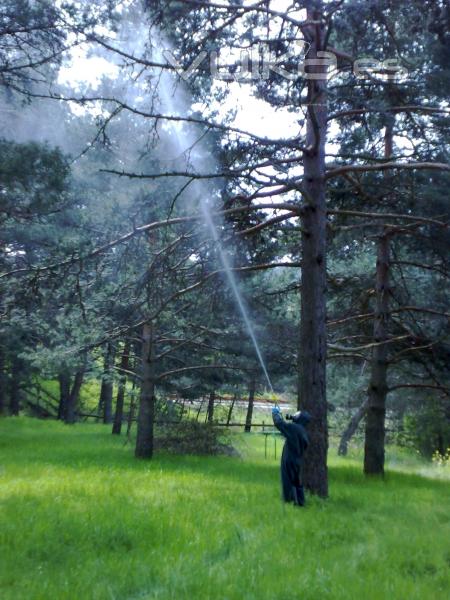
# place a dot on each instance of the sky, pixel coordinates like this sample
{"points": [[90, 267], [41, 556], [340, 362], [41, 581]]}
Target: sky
{"points": [[86, 68]]}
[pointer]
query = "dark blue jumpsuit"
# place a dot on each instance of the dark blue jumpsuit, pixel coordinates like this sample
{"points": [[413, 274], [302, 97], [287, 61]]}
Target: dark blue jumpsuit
{"points": [[292, 458]]}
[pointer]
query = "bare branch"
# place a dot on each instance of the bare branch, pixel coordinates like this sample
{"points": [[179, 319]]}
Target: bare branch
{"points": [[436, 268], [366, 346], [420, 309], [264, 224], [362, 317], [355, 213], [384, 167], [393, 109], [196, 368], [419, 385]]}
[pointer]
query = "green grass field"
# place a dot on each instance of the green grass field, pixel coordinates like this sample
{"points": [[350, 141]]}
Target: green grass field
{"points": [[80, 518]]}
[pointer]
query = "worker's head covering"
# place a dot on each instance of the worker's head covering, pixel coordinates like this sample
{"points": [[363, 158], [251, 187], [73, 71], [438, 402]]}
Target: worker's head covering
{"points": [[302, 417]]}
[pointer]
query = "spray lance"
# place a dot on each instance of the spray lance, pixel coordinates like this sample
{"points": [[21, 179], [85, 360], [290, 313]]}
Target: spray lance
{"points": [[295, 417], [276, 411]]}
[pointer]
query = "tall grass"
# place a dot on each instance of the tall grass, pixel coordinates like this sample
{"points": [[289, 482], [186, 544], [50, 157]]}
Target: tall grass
{"points": [[80, 518]]}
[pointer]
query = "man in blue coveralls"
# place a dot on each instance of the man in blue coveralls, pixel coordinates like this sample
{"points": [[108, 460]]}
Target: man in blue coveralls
{"points": [[292, 458]]}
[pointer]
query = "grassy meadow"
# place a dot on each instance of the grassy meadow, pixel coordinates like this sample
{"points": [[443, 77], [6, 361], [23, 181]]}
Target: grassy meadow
{"points": [[81, 518]]}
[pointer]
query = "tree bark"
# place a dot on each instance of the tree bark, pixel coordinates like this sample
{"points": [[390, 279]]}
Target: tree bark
{"points": [[146, 416], [378, 388], [351, 428], [124, 366], [132, 409], [15, 385], [72, 403], [183, 408], [251, 401], [106, 390], [230, 410], [312, 351], [200, 408], [64, 393], [210, 411], [3, 383]]}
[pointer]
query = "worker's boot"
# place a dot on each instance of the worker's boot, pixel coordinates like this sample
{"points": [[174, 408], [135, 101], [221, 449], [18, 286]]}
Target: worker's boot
{"points": [[299, 495]]}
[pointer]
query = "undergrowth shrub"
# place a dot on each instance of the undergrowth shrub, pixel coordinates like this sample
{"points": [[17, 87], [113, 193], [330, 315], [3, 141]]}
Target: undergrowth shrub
{"points": [[442, 460], [428, 430], [193, 437]]}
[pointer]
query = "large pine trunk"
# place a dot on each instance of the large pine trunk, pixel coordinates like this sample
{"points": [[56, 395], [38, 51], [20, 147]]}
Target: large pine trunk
{"points": [[124, 366], [312, 351], [146, 416], [72, 403], [378, 389], [251, 401]]}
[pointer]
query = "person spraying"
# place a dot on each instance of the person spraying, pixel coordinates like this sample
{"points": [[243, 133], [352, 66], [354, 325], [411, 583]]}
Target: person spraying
{"points": [[293, 451]]}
